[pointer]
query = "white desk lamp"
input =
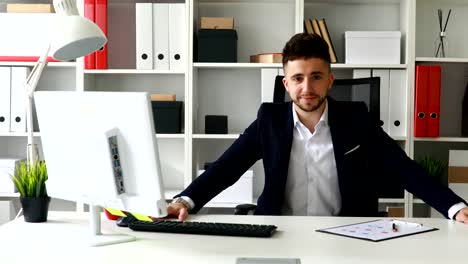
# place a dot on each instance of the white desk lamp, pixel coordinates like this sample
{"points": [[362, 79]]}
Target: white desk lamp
{"points": [[73, 36]]}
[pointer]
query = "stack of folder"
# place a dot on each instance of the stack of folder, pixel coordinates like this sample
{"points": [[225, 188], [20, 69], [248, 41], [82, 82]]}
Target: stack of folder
{"points": [[160, 36], [12, 99]]}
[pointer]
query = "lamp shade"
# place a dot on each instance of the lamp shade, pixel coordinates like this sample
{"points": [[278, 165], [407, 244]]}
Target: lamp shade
{"points": [[78, 37], [74, 36]]}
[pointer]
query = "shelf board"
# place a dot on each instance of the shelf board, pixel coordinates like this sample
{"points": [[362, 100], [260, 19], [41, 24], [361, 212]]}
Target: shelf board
{"points": [[243, 1], [7, 195], [228, 205], [18, 134], [170, 136], [235, 136], [399, 200], [216, 136], [32, 63], [214, 65], [306, 1], [221, 205], [442, 60], [368, 66], [132, 71], [38, 134], [374, 2], [442, 139], [381, 200], [418, 201], [240, 65]]}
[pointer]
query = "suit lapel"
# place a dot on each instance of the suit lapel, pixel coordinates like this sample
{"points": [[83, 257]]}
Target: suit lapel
{"points": [[286, 148], [338, 134]]}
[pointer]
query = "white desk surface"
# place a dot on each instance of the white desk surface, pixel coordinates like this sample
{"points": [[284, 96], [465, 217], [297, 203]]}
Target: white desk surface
{"points": [[58, 241]]}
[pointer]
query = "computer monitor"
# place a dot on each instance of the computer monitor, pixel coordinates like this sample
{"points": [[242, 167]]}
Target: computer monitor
{"points": [[100, 149]]}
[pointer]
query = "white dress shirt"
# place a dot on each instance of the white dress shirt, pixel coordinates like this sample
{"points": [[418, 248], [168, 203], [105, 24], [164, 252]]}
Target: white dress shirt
{"points": [[312, 183]]}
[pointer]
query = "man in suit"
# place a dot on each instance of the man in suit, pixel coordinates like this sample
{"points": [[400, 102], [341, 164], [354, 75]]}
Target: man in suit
{"points": [[321, 156]]}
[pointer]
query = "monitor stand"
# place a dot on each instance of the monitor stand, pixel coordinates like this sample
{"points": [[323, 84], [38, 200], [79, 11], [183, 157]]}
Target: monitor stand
{"points": [[96, 238]]}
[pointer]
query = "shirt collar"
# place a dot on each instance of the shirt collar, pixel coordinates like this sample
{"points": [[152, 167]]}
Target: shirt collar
{"points": [[323, 119]]}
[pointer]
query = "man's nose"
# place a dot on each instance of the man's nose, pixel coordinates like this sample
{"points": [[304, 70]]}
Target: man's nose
{"points": [[308, 84]]}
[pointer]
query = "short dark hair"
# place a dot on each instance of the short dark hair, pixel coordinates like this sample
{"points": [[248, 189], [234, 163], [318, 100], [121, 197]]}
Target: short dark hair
{"points": [[305, 46]]}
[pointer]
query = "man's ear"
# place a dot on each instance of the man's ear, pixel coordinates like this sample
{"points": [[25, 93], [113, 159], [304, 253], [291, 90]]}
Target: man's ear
{"points": [[285, 83], [331, 80]]}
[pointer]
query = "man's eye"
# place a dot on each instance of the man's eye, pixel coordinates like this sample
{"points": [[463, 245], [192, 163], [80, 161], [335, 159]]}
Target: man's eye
{"points": [[297, 79], [316, 77]]}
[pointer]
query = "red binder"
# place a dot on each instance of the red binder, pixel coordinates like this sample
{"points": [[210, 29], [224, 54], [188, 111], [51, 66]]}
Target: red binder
{"points": [[420, 100], [101, 21], [89, 13], [433, 103]]}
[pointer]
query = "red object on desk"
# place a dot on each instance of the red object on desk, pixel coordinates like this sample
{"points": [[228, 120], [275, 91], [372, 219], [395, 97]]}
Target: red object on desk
{"points": [[111, 216]]}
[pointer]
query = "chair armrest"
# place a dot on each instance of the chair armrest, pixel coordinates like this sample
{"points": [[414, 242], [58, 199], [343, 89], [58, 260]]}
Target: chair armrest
{"points": [[244, 209]]}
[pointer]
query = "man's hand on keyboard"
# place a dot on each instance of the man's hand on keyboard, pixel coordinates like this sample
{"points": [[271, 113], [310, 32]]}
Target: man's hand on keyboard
{"points": [[178, 210]]}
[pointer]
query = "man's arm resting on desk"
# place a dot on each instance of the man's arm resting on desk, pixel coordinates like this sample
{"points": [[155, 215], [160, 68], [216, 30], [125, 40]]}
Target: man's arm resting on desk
{"points": [[180, 207], [459, 212]]}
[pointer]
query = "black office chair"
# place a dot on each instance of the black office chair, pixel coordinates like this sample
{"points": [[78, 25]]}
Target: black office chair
{"points": [[361, 89]]}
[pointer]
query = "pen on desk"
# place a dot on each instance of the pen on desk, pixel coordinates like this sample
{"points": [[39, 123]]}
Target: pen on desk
{"points": [[394, 227]]}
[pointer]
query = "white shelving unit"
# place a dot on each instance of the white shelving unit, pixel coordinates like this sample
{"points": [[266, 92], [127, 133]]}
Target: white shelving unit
{"points": [[454, 68], [233, 89]]}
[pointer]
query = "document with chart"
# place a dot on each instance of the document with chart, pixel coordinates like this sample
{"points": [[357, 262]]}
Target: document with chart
{"points": [[378, 230]]}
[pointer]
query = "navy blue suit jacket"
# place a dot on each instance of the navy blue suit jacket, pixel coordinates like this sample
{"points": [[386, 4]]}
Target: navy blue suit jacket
{"points": [[373, 154]]}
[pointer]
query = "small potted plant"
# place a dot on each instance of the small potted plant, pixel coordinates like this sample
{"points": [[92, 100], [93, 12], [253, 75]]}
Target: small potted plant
{"points": [[30, 183], [433, 167]]}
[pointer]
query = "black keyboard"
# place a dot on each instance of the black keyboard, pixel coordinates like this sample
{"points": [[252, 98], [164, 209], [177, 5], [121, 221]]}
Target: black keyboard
{"points": [[204, 228]]}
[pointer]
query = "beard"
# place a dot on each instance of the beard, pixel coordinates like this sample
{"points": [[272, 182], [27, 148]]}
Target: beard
{"points": [[310, 107]]}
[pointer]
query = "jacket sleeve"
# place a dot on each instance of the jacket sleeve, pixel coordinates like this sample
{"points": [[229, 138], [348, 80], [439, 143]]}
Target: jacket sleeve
{"points": [[390, 158], [227, 169]]}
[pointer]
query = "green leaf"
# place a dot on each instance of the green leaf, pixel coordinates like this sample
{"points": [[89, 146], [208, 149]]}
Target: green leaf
{"points": [[432, 166], [30, 180]]}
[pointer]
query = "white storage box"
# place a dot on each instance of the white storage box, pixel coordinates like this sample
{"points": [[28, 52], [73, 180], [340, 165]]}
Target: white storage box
{"points": [[372, 47], [240, 192], [7, 166], [25, 35]]}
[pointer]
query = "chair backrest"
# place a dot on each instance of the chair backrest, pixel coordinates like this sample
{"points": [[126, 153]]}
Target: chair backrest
{"points": [[366, 90]]}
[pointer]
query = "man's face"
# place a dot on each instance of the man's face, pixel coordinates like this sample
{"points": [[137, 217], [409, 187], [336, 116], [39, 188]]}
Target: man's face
{"points": [[307, 82]]}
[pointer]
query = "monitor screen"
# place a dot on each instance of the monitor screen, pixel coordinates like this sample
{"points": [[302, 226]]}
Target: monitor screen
{"points": [[100, 148]]}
